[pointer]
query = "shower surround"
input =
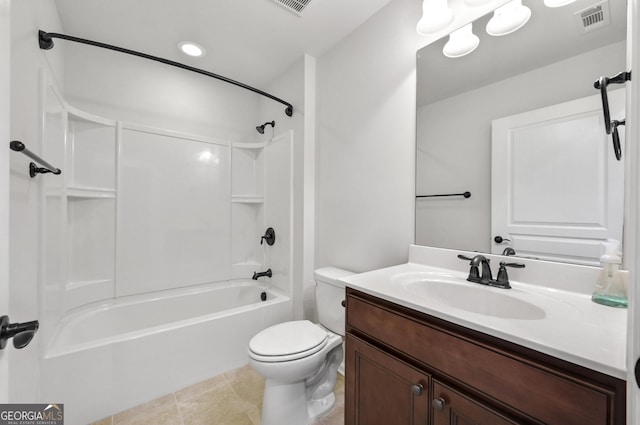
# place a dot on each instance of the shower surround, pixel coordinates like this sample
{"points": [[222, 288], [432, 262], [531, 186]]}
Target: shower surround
{"points": [[149, 238]]}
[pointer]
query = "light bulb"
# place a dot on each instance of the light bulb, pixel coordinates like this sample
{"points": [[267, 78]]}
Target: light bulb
{"points": [[436, 15], [461, 42], [508, 18]]}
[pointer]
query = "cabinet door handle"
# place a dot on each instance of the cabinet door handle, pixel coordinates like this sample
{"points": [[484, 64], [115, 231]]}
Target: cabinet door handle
{"points": [[438, 403], [416, 389]]}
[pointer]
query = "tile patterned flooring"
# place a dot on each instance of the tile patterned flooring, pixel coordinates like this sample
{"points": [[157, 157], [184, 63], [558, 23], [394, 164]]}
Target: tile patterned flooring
{"points": [[233, 398]]}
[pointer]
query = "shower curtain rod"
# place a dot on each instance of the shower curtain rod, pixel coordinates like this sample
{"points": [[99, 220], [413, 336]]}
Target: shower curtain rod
{"points": [[45, 40]]}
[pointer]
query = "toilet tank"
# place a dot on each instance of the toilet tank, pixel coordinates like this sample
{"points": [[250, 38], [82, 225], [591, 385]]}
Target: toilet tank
{"points": [[329, 296]]}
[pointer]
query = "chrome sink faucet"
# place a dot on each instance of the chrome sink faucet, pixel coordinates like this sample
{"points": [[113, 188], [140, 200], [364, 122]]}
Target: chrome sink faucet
{"points": [[501, 280]]}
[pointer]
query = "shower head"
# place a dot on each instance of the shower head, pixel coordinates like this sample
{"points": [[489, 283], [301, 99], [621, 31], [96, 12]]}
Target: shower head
{"points": [[260, 128]]}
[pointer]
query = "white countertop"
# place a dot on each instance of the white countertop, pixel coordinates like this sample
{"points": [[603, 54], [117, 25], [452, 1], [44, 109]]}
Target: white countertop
{"points": [[562, 323]]}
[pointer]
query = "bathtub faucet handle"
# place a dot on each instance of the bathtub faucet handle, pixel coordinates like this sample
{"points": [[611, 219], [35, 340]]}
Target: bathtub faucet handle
{"points": [[269, 237], [256, 275]]}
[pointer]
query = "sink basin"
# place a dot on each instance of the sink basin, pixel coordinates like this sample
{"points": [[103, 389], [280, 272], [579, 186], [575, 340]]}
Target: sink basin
{"points": [[474, 298]]}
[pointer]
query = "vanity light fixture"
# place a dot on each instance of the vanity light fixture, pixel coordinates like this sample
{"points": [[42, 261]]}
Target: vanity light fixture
{"points": [[508, 18], [461, 42], [557, 3], [191, 49], [436, 15]]}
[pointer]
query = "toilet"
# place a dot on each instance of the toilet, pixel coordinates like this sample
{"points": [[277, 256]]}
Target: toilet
{"points": [[300, 359]]}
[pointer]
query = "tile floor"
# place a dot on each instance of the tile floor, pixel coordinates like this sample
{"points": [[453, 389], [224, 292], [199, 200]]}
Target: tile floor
{"points": [[233, 398]]}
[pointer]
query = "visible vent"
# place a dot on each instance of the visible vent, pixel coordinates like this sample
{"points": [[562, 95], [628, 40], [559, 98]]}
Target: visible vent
{"points": [[594, 17], [296, 6]]}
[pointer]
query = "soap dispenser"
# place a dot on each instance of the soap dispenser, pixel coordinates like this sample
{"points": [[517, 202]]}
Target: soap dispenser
{"points": [[610, 288]]}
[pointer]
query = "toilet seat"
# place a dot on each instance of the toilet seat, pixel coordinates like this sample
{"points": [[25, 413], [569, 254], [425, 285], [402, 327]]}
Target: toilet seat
{"points": [[288, 341]]}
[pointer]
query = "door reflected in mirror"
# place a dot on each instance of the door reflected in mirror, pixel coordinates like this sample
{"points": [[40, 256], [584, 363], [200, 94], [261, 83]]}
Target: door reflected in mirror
{"points": [[551, 163]]}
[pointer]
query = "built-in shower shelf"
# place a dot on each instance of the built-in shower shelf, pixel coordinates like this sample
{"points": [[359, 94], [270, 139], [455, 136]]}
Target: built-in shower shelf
{"points": [[249, 145], [248, 264], [248, 199], [90, 193], [87, 283]]}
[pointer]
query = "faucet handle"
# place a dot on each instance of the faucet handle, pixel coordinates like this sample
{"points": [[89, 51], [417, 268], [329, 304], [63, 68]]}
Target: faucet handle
{"points": [[474, 273], [503, 277], [269, 237]]}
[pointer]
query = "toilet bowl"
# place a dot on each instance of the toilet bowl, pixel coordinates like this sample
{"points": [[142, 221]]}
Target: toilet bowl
{"points": [[300, 359]]}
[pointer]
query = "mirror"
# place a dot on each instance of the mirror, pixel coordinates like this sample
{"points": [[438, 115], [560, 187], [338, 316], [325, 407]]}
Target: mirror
{"points": [[553, 59]]}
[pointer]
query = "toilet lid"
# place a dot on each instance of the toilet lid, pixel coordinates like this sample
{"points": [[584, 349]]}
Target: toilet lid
{"points": [[284, 339]]}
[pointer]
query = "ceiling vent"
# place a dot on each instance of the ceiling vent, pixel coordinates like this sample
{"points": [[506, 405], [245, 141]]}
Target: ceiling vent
{"points": [[295, 6], [594, 17]]}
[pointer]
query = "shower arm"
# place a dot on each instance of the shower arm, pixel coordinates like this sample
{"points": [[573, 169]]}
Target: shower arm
{"points": [[45, 40]]}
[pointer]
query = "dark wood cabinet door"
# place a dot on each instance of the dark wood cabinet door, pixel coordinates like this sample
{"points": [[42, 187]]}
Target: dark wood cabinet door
{"points": [[382, 390], [451, 407]]}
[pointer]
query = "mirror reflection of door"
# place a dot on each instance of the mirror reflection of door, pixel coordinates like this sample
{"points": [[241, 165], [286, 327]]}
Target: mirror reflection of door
{"points": [[557, 189], [553, 59]]}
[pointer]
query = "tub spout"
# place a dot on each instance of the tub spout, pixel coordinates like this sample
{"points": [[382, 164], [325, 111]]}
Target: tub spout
{"points": [[256, 275]]}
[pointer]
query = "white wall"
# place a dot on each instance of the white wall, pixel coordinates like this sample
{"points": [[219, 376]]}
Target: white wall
{"points": [[26, 60], [366, 142], [5, 51], [454, 143], [132, 89]]}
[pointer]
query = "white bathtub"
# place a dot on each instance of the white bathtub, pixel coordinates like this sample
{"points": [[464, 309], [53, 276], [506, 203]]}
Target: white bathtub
{"points": [[111, 356]]}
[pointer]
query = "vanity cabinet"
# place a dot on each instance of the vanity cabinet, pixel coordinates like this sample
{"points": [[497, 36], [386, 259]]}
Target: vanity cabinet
{"points": [[407, 367], [386, 390]]}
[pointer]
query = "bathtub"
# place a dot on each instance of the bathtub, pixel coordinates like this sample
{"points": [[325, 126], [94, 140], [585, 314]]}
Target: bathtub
{"points": [[107, 357]]}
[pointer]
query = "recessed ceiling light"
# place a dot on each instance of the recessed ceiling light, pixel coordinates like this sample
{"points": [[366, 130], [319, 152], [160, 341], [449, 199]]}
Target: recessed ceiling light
{"points": [[192, 49]]}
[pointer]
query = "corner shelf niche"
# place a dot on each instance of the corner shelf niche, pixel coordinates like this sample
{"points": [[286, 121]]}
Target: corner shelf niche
{"points": [[247, 199], [91, 208], [90, 193], [247, 212]]}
